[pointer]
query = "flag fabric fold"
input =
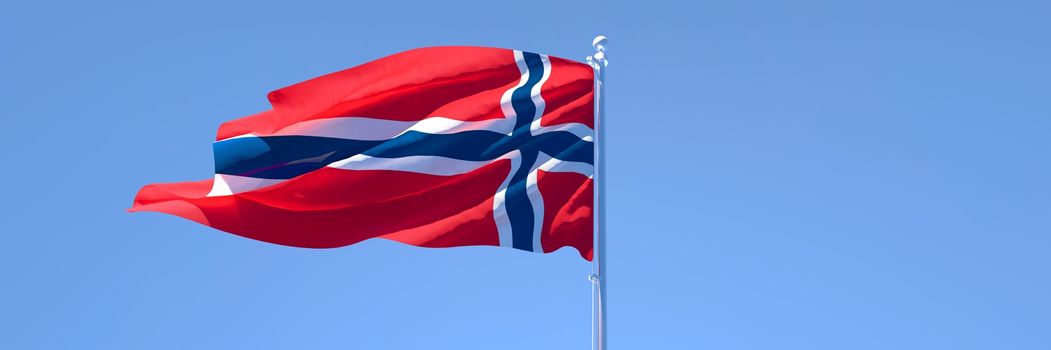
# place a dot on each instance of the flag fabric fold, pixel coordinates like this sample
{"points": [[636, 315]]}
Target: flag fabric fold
{"points": [[433, 147]]}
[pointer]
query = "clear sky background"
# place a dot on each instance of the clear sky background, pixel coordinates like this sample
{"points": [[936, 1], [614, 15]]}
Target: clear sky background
{"points": [[782, 175]]}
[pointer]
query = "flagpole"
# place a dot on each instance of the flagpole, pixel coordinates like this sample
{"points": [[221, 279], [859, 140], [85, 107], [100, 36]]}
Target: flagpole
{"points": [[599, 273]]}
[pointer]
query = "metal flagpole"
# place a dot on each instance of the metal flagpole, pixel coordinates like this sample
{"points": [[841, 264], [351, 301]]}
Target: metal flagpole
{"points": [[599, 273]]}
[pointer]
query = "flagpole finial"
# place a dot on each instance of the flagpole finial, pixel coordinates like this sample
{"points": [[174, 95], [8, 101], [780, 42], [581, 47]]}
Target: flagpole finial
{"points": [[600, 43], [598, 59]]}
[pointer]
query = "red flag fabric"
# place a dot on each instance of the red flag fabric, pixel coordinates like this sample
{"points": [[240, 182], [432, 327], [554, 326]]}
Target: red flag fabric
{"points": [[433, 147]]}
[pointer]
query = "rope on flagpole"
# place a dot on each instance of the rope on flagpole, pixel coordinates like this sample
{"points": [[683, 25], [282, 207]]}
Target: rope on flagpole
{"points": [[599, 274]]}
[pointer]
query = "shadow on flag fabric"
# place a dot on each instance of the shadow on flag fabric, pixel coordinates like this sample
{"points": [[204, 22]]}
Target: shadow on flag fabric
{"points": [[433, 147]]}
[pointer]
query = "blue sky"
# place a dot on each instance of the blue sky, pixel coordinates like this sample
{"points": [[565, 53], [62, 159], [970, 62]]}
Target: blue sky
{"points": [[804, 175]]}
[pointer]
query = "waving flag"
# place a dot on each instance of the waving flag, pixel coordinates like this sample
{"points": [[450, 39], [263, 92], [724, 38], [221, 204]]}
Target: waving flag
{"points": [[434, 147]]}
